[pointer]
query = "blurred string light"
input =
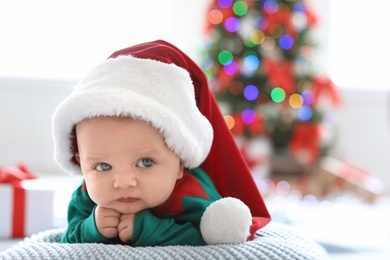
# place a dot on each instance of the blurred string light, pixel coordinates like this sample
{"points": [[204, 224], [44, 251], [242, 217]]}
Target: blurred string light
{"points": [[232, 24], [215, 16], [286, 41], [278, 95], [257, 37], [300, 8], [295, 101], [225, 3], [271, 6], [230, 122], [305, 113], [283, 187], [251, 62], [225, 57], [308, 97], [261, 23], [248, 42], [251, 92], [231, 69], [240, 8], [248, 116], [268, 43]]}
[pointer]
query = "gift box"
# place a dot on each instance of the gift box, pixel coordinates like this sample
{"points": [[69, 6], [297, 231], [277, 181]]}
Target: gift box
{"points": [[26, 205], [339, 177], [333, 178]]}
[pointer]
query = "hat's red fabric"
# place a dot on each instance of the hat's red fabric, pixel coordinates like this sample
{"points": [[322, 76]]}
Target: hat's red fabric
{"points": [[225, 164]]}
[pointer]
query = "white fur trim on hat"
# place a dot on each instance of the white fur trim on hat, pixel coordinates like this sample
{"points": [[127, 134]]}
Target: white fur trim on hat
{"points": [[159, 93]]}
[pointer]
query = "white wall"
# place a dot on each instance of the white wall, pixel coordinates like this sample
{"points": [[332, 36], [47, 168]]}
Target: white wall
{"points": [[363, 121], [26, 107], [363, 124], [65, 39]]}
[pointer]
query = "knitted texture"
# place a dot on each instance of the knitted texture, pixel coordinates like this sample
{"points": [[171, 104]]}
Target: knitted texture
{"points": [[275, 241]]}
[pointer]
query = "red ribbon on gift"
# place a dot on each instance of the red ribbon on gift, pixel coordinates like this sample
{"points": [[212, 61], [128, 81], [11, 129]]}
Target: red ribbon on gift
{"points": [[349, 172], [14, 176]]}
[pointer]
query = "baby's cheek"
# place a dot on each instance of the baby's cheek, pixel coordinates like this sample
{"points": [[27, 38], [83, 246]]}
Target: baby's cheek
{"points": [[97, 193]]}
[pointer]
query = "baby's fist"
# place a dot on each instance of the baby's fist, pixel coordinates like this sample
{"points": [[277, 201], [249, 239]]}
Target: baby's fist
{"points": [[125, 227], [107, 221]]}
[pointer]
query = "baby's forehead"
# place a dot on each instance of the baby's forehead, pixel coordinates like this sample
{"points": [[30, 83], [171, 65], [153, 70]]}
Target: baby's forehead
{"points": [[111, 119], [128, 122], [120, 129]]}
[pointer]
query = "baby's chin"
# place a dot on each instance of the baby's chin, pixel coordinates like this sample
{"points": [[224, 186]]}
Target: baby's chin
{"points": [[128, 209]]}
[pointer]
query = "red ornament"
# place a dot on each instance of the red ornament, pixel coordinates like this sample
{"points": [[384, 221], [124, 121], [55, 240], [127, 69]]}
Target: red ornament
{"points": [[312, 19], [281, 17], [280, 74], [256, 128], [324, 85], [304, 144]]}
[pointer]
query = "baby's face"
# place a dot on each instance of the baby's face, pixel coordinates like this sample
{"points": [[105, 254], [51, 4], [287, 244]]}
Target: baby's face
{"points": [[126, 164]]}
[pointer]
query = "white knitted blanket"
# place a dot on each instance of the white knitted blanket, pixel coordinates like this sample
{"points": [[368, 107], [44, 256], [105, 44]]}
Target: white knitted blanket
{"points": [[275, 241]]}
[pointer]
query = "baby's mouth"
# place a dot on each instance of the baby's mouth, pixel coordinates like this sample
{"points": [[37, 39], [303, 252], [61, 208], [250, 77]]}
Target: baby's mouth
{"points": [[127, 199]]}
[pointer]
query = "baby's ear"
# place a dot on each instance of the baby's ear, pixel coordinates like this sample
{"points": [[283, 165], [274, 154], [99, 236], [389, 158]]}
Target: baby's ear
{"points": [[180, 171], [77, 157]]}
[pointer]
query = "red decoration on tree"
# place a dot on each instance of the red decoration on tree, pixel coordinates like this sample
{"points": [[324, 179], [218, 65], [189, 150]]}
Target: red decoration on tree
{"points": [[257, 127], [312, 19], [281, 17], [324, 86], [280, 74], [304, 145]]}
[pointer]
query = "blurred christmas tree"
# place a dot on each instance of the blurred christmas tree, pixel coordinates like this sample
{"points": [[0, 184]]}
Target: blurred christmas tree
{"points": [[257, 56]]}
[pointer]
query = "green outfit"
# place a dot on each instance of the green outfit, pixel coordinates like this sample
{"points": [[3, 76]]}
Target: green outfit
{"points": [[176, 222]]}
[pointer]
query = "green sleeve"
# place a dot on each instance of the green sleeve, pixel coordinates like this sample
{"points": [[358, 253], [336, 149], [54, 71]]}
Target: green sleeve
{"points": [[81, 220], [152, 231]]}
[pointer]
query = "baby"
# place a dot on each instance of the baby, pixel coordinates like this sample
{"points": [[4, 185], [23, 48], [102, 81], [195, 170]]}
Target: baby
{"points": [[133, 129]]}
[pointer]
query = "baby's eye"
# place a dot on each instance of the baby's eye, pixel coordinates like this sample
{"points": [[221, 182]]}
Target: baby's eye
{"points": [[102, 167], [145, 163]]}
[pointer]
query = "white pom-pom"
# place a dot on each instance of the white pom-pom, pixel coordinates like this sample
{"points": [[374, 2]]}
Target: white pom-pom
{"points": [[226, 221]]}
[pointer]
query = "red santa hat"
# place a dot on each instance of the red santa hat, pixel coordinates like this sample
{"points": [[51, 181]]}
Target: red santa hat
{"points": [[158, 83]]}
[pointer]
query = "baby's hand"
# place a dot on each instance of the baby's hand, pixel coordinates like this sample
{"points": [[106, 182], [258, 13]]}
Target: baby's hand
{"points": [[107, 221], [125, 227]]}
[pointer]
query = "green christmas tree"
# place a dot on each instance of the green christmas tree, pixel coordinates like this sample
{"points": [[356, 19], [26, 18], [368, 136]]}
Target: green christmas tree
{"points": [[258, 58]]}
